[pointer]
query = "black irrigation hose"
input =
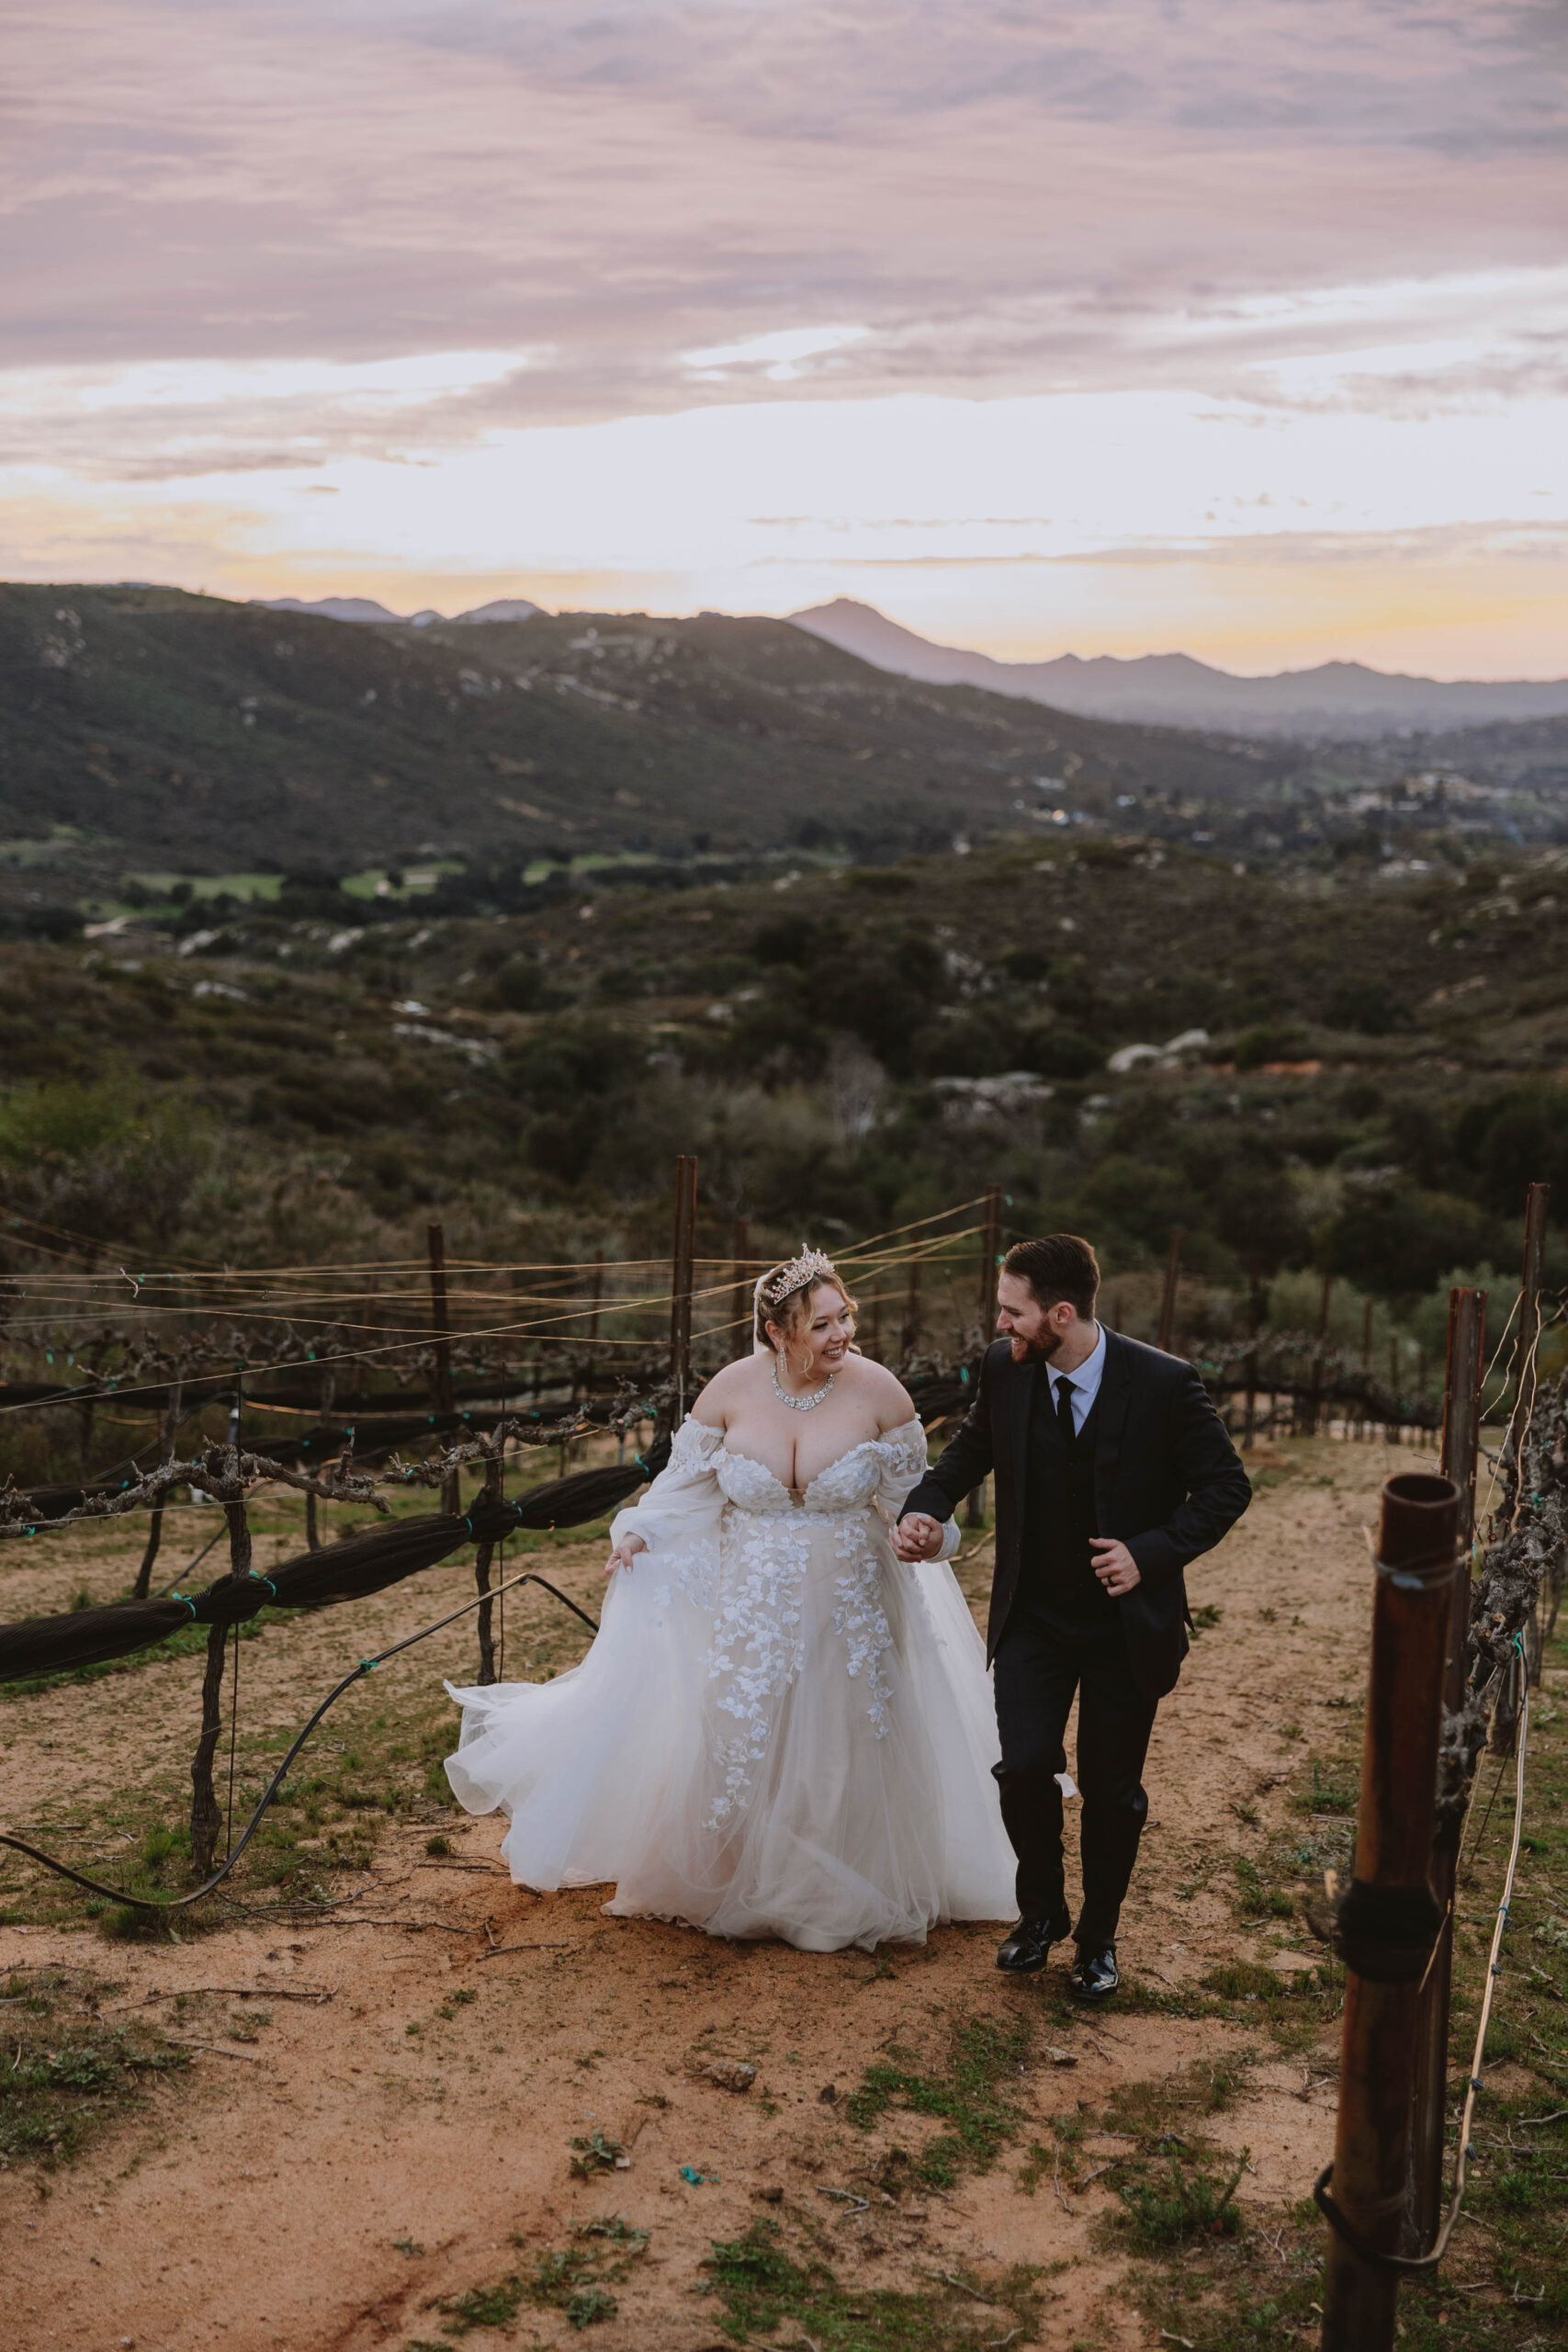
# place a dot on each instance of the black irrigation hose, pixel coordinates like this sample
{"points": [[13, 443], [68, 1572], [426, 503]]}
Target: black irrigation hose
{"points": [[179, 1902]]}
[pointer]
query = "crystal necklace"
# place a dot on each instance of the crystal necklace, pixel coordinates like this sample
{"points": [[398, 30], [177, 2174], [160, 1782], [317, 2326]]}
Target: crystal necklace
{"points": [[801, 1404]]}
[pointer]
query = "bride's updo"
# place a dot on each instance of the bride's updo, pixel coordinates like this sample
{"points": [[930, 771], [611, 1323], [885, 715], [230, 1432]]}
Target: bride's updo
{"points": [[783, 1295]]}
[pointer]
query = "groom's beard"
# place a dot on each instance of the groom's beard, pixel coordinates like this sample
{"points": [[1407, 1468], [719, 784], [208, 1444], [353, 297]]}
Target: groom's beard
{"points": [[1035, 1351]]}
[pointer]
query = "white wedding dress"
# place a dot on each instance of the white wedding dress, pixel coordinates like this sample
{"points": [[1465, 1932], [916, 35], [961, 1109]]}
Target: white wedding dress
{"points": [[780, 1729]]}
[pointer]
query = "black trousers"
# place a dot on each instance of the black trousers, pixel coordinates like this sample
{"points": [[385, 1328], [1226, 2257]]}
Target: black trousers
{"points": [[1041, 1663]]}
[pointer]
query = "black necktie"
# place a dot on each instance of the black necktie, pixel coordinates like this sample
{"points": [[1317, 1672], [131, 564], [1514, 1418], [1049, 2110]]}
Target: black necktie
{"points": [[1065, 1412]]}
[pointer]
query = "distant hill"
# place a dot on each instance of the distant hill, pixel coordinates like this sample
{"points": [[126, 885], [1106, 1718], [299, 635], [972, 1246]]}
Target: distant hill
{"points": [[186, 731], [365, 608], [1338, 700], [331, 608]]}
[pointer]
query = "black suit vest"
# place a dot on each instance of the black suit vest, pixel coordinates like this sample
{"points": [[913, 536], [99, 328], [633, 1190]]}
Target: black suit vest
{"points": [[1059, 1515]]}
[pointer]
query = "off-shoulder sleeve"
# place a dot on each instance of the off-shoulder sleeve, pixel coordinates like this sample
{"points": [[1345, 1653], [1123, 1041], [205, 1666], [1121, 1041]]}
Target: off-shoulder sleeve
{"points": [[904, 1464], [681, 1508]]}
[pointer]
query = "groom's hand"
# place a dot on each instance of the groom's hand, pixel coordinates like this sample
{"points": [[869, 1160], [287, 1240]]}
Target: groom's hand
{"points": [[917, 1537], [1114, 1564]]}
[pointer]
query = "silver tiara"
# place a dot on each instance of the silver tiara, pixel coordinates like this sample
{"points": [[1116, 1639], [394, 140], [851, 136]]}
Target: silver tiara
{"points": [[799, 1271]]}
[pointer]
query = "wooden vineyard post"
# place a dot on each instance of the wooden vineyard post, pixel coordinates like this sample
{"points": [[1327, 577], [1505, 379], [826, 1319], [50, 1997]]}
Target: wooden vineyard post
{"points": [[312, 1521], [206, 1814], [440, 1378], [1366, 1352], [596, 1295], [1254, 1320], [1389, 1918], [494, 1487], [1395, 1430], [1167, 1331], [910, 1337], [740, 1295], [990, 1250], [1314, 1409], [681, 1254], [167, 1435], [1461, 1438]]}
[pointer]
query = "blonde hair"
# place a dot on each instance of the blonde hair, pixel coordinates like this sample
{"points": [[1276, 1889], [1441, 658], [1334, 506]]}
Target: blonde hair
{"points": [[787, 1313]]}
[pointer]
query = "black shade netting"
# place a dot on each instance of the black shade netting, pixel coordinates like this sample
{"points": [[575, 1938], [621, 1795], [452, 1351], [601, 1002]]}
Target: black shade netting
{"points": [[360, 1564]]}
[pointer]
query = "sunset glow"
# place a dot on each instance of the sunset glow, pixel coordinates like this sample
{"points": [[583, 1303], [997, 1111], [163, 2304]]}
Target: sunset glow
{"points": [[1130, 328]]}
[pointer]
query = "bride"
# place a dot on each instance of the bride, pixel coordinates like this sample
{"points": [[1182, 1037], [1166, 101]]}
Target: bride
{"points": [[780, 1729]]}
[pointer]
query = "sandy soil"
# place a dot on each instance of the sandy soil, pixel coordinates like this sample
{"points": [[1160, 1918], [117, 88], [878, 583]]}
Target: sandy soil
{"points": [[261, 2203]]}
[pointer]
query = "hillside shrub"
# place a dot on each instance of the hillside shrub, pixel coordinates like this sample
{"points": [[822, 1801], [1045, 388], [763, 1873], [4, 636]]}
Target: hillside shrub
{"points": [[1508, 1141], [1059, 1049], [1395, 1239], [1270, 1041], [1369, 1007]]}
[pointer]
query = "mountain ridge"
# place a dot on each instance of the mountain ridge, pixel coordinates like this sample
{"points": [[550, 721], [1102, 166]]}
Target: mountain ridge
{"points": [[365, 610], [220, 735], [1333, 698]]}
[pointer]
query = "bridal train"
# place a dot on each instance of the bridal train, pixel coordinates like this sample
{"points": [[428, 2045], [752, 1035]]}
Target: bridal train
{"points": [[780, 1728]]}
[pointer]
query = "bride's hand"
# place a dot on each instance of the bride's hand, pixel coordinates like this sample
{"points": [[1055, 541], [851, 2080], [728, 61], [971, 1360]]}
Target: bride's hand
{"points": [[917, 1537], [624, 1553]]}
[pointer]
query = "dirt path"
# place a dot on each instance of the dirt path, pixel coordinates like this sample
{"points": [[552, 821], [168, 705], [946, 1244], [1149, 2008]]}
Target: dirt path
{"points": [[408, 2136]]}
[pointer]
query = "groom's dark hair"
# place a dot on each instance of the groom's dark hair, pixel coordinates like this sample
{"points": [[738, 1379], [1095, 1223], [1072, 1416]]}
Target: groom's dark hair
{"points": [[1059, 1266]]}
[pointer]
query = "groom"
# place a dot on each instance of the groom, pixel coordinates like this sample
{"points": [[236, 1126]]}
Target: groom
{"points": [[1112, 1470]]}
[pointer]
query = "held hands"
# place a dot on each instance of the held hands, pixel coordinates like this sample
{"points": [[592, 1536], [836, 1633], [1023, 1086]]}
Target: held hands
{"points": [[1114, 1564], [917, 1537], [624, 1554]]}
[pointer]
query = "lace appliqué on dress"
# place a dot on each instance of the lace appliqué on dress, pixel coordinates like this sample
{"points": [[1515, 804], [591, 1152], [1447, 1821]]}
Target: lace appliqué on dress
{"points": [[860, 1621], [756, 1651]]}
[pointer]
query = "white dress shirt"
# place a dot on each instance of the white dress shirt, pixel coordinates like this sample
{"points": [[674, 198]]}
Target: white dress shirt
{"points": [[1084, 1381]]}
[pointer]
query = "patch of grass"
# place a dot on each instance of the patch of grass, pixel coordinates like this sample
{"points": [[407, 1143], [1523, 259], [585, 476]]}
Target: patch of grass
{"points": [[1235, 1979], [761, 2284], [68, 2075], [493, 2306], [1333, 1788], [575, 2280], [1258, 1897], [1152, 2110], [1188, 2202], [966, 2094]]}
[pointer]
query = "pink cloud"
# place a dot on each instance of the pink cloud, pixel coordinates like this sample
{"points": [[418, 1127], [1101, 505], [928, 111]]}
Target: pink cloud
{"points": [[1006, 199]]}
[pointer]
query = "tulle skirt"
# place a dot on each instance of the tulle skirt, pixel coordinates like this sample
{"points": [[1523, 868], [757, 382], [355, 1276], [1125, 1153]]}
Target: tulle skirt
{"points": [[855, 1804]]}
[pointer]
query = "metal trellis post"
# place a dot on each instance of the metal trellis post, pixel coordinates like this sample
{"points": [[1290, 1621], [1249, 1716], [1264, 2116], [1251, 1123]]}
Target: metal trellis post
{"points": [[440, 1378], [1389, 1918], [1461, 1438]]}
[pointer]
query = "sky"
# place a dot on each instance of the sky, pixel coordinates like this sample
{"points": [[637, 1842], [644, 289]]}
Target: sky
{"points": [[1237, 327]]}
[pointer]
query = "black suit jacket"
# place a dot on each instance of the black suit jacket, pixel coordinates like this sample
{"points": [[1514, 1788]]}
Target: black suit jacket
{"points": [[1167, 1481]]}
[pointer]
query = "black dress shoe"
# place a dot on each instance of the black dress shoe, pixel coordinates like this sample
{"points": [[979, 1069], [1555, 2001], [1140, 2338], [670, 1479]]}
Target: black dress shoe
{"points": [[1094, 1976], [1028, 1946]]}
